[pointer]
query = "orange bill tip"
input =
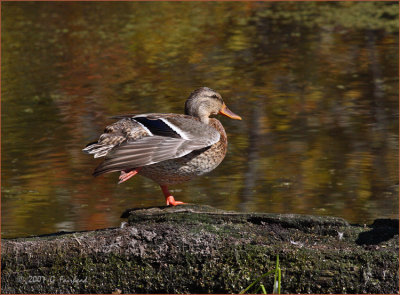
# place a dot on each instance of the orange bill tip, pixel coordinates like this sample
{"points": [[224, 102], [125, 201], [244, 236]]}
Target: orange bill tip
{"points": [[227, 112]]}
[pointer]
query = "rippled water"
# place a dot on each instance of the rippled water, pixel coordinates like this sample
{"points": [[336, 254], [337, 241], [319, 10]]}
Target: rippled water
{"points": [[317, 89]]}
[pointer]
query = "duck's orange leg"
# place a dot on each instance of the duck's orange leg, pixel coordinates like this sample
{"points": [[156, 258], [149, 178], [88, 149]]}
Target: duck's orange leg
{"points": [[126, 175], [168, 197]]}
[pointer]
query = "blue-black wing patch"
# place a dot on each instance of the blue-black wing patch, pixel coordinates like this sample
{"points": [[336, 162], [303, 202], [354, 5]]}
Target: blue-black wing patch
{"points": [[157, 127]]}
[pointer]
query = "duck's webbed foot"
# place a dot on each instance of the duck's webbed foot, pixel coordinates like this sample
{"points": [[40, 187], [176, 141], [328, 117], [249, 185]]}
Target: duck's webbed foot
{"points": [[169, 198]]}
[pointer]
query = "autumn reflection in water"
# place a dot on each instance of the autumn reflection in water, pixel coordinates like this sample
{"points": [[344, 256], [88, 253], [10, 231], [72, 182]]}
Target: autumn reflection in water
{"points": [[315, 83]]}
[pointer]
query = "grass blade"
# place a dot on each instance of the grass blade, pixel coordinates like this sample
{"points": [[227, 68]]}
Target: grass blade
{"points": [[263, 289], [256, 281], [277, 278]]}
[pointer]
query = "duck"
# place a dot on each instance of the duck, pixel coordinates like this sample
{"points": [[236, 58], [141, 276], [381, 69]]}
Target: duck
{"points": [[167, 148]]}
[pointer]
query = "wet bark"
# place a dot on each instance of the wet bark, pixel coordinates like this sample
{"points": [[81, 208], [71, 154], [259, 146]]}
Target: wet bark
{"points": [[199, 249]]}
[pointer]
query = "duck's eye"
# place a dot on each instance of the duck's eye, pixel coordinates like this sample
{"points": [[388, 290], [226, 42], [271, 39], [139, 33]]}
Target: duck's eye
{"points": [[214, 96]]}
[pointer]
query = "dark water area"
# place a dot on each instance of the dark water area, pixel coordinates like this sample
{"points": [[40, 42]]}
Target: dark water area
{"points": [[316, 84]]}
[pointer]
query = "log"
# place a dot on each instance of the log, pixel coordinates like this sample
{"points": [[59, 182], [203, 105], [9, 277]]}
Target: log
{"points": [[200, 249]]}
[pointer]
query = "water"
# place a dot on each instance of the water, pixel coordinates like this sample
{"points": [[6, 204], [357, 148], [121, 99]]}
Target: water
{"points": [[318, 97]]}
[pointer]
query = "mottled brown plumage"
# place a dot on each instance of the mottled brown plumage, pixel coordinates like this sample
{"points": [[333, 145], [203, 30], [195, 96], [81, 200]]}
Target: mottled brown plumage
{"points": [[167, 148], [194, 164]]}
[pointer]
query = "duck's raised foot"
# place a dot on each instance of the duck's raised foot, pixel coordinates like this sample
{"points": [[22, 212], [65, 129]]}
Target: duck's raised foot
{"points": [[126, 175]]}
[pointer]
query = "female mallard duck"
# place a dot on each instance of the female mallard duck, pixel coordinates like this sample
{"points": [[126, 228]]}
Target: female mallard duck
{"points": [[167, 148]]}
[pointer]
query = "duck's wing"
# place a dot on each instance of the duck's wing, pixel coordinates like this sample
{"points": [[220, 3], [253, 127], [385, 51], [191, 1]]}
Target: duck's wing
{"points": [[169, 137]]}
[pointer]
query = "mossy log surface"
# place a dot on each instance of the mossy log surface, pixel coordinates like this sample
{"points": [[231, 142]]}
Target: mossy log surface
{"points": [[200, 249]]}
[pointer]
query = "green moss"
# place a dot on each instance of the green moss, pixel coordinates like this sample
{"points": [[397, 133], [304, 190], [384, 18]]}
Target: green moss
{"points": [[191, 252]]}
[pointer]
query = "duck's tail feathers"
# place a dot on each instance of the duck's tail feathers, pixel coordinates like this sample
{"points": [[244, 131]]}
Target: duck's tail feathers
{"points": [[97, 149]]}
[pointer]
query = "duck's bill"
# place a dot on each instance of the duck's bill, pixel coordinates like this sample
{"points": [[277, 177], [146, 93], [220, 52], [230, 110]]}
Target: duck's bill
{"points": [[227, 112]]}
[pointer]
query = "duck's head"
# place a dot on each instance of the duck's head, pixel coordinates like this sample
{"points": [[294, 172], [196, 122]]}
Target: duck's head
{"points": [[204, 102]]}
